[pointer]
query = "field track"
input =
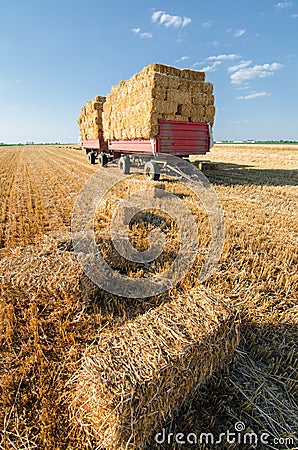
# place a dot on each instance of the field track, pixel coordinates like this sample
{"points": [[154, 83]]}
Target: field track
{"points": [[46, 322]]}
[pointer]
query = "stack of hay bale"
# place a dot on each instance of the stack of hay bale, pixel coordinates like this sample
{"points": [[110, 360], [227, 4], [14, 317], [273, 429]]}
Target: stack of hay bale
{"points": [[90, 119], [133, 107]]}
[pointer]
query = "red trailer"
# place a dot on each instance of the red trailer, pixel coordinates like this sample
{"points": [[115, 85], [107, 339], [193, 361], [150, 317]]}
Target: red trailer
{"points": [[174, 138]]}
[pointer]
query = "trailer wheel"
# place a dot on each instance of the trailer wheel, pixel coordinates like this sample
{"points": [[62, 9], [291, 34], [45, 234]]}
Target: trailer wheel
{"points": [[91, 157], [102, 159], [124, 164], [151, 171]]}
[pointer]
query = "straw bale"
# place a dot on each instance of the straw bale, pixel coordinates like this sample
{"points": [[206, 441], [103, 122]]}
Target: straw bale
{"points": [[142, 372], [178, 96], [185, 85], [162, 68], [164, 107], [209, 112], [174, 82], [175, 72], [159, 93], [99, 99], [193, 75], [161, 80], [186, 110], [201, 99], [199, 87], [207, 88]]}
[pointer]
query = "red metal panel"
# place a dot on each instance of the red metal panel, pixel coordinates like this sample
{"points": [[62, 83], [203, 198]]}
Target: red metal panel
{"points": [[132, 146], [183, 138], [99, 144], [91, 143]]}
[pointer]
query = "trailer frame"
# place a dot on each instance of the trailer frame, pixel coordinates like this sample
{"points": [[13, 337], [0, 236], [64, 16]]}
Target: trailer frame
{"points": [[176, 138]]}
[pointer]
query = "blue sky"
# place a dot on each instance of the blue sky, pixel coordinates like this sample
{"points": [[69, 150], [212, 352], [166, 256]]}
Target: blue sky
{"points": [[57, 54]]}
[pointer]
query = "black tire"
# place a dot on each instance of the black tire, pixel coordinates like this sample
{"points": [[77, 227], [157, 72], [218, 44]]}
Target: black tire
{"points": [[151, 171], [102, 159], [124, 165], [91, 157]]}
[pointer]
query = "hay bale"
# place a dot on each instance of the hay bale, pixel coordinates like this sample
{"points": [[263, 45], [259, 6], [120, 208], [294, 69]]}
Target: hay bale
{"points": [[90, 119], [140, 373], [133, 107]]}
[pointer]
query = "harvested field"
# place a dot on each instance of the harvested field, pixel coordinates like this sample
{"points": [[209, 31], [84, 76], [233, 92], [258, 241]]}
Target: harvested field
{"points": [[38, 189], [50, 313]]}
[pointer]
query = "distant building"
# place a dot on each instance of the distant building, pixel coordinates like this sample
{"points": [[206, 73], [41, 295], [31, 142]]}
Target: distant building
{"points": [[29, 143]]}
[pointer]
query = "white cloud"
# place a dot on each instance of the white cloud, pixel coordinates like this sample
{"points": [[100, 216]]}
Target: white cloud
{"points": [[142, 34], [294, 16], [183, 58], [226, 57], [239, 32], [215, 61], [212, 67], [207, 24], [283, 5], [241, 65], [257, 71], [290, 58], [168, 20], [243, 87], [197, 64], [253, 95]]}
